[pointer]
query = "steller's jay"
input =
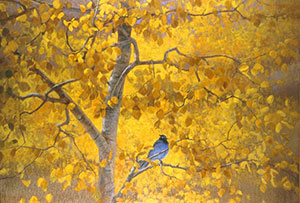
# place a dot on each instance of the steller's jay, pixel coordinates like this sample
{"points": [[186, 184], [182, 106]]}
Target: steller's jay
{"points": [[159, 151]]}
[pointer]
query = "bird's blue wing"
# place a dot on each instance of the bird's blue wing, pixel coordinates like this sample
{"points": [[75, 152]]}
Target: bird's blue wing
{"points": [[159, 151]]}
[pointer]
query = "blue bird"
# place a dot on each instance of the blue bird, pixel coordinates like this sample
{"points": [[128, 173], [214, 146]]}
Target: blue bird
{"points": [[159, 151]]}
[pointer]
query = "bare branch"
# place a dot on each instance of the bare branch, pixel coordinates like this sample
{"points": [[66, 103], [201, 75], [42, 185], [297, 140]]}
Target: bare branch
{"points": [[82, 47], [235, 9], [96, 12], [162, 171], [37, 95], [25, 10], [67, 121], [221, 55], [60, 85], [81, 153], [7, 136], [46, 98]]}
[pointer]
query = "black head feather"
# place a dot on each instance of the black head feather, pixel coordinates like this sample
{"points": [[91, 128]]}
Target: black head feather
{"points": [[163, 138]]}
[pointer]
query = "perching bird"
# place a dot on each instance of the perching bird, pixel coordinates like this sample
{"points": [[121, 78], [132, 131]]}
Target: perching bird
{"points": [[159, 151]]}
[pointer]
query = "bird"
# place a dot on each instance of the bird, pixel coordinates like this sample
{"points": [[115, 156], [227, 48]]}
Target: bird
{"points": [[159, 151]]}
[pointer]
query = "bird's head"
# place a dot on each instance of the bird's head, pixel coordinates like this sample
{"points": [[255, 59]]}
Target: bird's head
{"points": [[163, 137]]}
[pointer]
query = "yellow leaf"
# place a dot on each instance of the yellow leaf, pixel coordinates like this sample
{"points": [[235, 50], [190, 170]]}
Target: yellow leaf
{"points": [[49, 197], [89, 5], [270, 99], [260, 171], [273, 54], [24, 86], [98, 47], [70, 27], [60, 15], [103, 163], [57, 4], [75, 23], [257, 68], [122, 156], [22, 18], [238, 192], [26, 182], [221, 192], [115, 100], [281, 113], [45, 16], [22, 200], [188, 121], [198, 2], [287, 185], [160, 114], [283, 164], [118, 50], [284, 67], [69, 169], [82, 8], [264, 84], [228, 4], [209, 73], [224, 154], [164, 20], [110, 103], [42, 183], [263, 188], [278, 127], [12, 45], [264, 110], [146, 191], [80, 185], [232, 201], [289, 126], [90, 61], [43, 27], [244, 68], [273, 182], [71, 106], [34, 199]]}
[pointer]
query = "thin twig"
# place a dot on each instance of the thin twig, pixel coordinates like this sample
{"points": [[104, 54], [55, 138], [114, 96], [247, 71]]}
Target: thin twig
{"points": [[162, 170]]}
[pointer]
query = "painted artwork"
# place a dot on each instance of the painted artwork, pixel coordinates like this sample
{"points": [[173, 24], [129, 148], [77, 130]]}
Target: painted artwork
{"points": [[149, 101]]}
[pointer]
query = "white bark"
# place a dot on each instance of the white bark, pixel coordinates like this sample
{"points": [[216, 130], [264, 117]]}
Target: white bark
{"points": [[111, 118]]}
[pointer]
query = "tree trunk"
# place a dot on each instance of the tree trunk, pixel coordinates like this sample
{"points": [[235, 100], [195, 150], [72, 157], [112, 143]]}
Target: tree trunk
{"points": [[111, 118]]}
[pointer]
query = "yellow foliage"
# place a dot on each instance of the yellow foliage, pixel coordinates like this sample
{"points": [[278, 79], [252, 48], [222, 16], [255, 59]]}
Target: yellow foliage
{"points": [[257, 68], [244, 68], [57, 4], [34, 199], [22, 200], [270, 99], [26, 182], [278, 128], [42, 183], [216, 96], [263, 188], [49, 197], [80, 185], [82, 8], [103, 163]]}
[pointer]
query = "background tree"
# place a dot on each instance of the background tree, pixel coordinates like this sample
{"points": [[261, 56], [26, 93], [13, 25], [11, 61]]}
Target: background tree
{"points": [[205, 73]]}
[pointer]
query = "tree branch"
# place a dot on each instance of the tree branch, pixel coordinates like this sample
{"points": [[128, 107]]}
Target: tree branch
{"points": [[25, 10], [77, 111], [162, 171]]}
